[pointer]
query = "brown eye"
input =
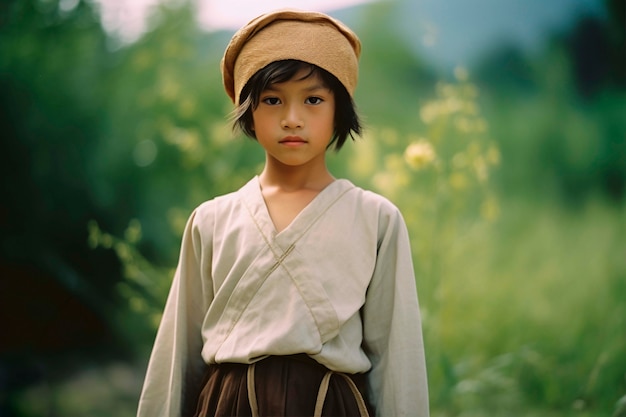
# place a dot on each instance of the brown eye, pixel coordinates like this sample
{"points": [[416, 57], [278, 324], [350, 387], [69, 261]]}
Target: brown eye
{"points": [[314, 100], [272, 101]]}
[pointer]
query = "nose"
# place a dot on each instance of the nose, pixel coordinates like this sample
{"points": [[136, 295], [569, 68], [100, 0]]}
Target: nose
{"points": [[292, 118]]}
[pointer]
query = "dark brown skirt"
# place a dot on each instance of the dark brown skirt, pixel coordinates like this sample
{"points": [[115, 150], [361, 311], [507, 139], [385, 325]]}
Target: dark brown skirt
{"points": [[284, 385]]}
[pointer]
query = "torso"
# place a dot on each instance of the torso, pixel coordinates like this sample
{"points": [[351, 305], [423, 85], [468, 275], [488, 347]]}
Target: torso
{"points": [[296, 291]]}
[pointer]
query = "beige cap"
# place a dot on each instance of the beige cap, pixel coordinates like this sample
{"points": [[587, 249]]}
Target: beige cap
{"points": [[291, 34]]}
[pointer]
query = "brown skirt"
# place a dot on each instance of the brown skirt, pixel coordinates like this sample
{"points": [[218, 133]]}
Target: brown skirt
{"points": [[282, 386]]}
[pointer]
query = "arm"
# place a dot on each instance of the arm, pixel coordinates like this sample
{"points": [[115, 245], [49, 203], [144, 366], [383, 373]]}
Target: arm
{"points": [[392, 327], [176, 367]]}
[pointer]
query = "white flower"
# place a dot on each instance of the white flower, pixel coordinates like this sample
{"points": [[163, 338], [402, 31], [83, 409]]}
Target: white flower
{"points": [[419, 154]]}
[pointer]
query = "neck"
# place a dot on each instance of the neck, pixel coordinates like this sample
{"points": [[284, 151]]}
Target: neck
{"points": [[294, 178]]}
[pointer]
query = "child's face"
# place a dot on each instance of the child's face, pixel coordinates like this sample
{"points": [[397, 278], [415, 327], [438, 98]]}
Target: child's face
{"points": [[294, 121]]}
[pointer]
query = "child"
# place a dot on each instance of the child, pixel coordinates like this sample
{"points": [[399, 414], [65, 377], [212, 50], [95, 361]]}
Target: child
{"points": [[294, 296]]}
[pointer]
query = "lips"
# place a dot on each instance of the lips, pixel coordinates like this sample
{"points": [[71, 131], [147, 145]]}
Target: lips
{"points": [[292, 140]]}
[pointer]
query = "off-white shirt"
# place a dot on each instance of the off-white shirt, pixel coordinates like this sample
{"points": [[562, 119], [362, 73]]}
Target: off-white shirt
{"points": [[336, 284]]}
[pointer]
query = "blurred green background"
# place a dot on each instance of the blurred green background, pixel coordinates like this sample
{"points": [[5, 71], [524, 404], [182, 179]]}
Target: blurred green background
{"points": [[506, 154]]}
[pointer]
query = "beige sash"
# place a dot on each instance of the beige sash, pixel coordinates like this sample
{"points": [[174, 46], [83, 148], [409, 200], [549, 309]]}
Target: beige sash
{"points": [[321, 394]]}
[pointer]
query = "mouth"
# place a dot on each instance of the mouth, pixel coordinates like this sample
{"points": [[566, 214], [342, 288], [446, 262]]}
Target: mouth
{"points": [[292, 140]]}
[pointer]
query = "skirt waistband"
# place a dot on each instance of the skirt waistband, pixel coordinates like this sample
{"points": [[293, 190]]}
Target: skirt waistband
{"points": [[282, 386], [321, 393]]}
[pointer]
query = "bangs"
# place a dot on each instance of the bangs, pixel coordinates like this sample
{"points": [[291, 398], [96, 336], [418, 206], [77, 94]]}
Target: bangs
{"points": [[276, 73]]}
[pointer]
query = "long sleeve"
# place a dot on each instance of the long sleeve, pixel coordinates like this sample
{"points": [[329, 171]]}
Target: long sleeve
{"points": [[176, 367], [392, 327]]}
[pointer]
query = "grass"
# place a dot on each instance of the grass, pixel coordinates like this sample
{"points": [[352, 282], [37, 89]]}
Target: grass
{"points": [[528, 315]]}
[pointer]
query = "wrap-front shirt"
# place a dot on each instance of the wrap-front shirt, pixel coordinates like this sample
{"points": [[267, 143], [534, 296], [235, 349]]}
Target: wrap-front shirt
{"points": [[336, 284]]}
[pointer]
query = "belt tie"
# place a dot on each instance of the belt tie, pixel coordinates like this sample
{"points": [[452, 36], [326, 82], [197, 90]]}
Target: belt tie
{"points": [[321, 394]]}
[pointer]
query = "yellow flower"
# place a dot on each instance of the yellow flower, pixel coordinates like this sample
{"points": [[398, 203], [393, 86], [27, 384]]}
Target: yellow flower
{"points": [[458, 181], [429, 112], [493, 156], [480, 167], [490, 209], [419, 154]]}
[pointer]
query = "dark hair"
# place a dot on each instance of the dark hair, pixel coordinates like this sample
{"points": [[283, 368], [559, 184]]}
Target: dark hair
{"points": [[347, 121]]}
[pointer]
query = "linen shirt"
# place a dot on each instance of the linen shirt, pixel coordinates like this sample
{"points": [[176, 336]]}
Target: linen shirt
{"points": [[336, 284]]}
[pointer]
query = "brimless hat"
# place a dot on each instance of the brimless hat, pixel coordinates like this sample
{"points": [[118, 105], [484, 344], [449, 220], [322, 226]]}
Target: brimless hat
{"points": [[291, 34]]}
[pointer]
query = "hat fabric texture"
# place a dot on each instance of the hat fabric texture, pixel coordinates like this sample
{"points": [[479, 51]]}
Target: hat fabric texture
{"points": [[311, 37]]}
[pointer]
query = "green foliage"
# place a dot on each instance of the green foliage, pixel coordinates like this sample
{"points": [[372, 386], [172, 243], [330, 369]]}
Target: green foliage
{"points": [[535, 299], [560, 127], [145, 286]]}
